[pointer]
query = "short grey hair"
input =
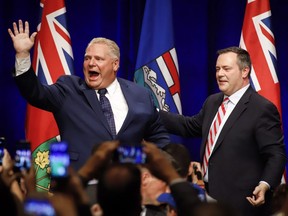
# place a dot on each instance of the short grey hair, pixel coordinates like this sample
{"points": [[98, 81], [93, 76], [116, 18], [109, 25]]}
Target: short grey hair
{"points": [[113, 47]]}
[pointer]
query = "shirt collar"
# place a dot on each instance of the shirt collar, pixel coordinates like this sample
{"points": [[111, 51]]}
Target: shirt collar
{"points": [[112, 87], [234, 98]]}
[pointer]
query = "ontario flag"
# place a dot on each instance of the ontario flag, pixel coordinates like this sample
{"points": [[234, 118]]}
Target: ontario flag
{"points": [[52, 58], [258, 39], [157, 64]]}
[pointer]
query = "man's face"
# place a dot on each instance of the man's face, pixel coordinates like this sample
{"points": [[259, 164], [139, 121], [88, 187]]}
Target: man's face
{"points": [[228, 74], [99, 67], [151, 188]]}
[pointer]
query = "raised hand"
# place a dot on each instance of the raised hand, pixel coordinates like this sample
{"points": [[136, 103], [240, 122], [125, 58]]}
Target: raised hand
{"points": [[158, 164], [99, 159], [21, 40]]}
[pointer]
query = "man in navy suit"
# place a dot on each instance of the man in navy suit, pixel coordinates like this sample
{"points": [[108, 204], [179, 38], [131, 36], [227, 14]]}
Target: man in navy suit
{"points": [[75, 102], [248, 156]]}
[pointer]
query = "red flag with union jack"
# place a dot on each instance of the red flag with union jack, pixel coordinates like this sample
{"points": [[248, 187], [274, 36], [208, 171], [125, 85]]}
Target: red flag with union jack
{"points": [[258, 39], [52, 58]]}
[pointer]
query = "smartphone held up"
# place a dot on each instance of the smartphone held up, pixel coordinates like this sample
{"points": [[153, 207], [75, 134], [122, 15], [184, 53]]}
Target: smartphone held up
{"points": [[59, 160], [22, 157], [131, 154]]}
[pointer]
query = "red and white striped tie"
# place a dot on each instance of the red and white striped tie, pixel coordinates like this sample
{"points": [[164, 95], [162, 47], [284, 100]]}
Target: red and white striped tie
{"points": [[212, 134]]}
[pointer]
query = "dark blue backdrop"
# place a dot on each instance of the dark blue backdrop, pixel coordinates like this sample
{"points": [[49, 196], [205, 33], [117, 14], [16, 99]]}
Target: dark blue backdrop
{"points": [[201, 28]]}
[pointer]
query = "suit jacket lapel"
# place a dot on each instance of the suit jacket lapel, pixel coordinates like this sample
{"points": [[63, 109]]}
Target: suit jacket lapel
{"points": [[238, 110], [212, 110], [93, 101]]}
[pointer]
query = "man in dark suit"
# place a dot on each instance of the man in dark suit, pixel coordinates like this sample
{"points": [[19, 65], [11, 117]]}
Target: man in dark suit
{"points": [[75, 102], [247, 156]]}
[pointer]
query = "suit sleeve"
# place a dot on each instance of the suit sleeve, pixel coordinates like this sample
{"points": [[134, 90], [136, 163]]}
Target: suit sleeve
{"points": [[156, 131], [182, 125], [270, 140], [42, 96]]}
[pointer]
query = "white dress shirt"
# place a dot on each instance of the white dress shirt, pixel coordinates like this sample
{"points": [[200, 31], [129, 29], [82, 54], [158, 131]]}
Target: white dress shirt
{"points": [[118, 103]]}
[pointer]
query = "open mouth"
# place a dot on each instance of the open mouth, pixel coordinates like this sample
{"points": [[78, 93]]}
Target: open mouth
{"points": [[93, 74]]}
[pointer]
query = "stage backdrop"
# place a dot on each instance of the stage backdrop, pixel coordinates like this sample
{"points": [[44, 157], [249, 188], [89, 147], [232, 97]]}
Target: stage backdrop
{"points": [[200, 29]]}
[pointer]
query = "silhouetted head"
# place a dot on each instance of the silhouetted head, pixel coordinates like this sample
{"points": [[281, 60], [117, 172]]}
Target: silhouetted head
{"points": [[119, 190], [180, 158]]}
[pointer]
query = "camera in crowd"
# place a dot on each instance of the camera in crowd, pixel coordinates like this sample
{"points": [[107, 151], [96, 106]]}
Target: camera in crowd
{"points": [[130, 154]]}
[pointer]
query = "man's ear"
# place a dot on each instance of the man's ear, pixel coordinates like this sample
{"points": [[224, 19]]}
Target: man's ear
{"points": [[245, 72], [145, 177], [116, 65]]}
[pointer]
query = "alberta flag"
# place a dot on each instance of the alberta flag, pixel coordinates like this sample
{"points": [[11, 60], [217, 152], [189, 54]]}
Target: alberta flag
{"points": [[52, 57], [157, 64], [258, 39]]}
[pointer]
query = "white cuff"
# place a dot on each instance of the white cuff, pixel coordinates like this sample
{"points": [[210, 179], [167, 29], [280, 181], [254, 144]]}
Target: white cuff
{"points": [[264, 182], [22, 65]]}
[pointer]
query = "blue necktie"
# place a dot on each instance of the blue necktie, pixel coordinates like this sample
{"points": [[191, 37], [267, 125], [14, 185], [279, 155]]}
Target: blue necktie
{"points": [[107, 111]]}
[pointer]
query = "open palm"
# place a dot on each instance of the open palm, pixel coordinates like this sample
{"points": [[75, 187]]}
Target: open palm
{"points": [[20, 37]]}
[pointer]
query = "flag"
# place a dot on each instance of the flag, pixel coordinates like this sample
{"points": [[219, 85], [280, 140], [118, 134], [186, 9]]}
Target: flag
{"points": [[258, 39], [157, 64], [52, 58]]}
